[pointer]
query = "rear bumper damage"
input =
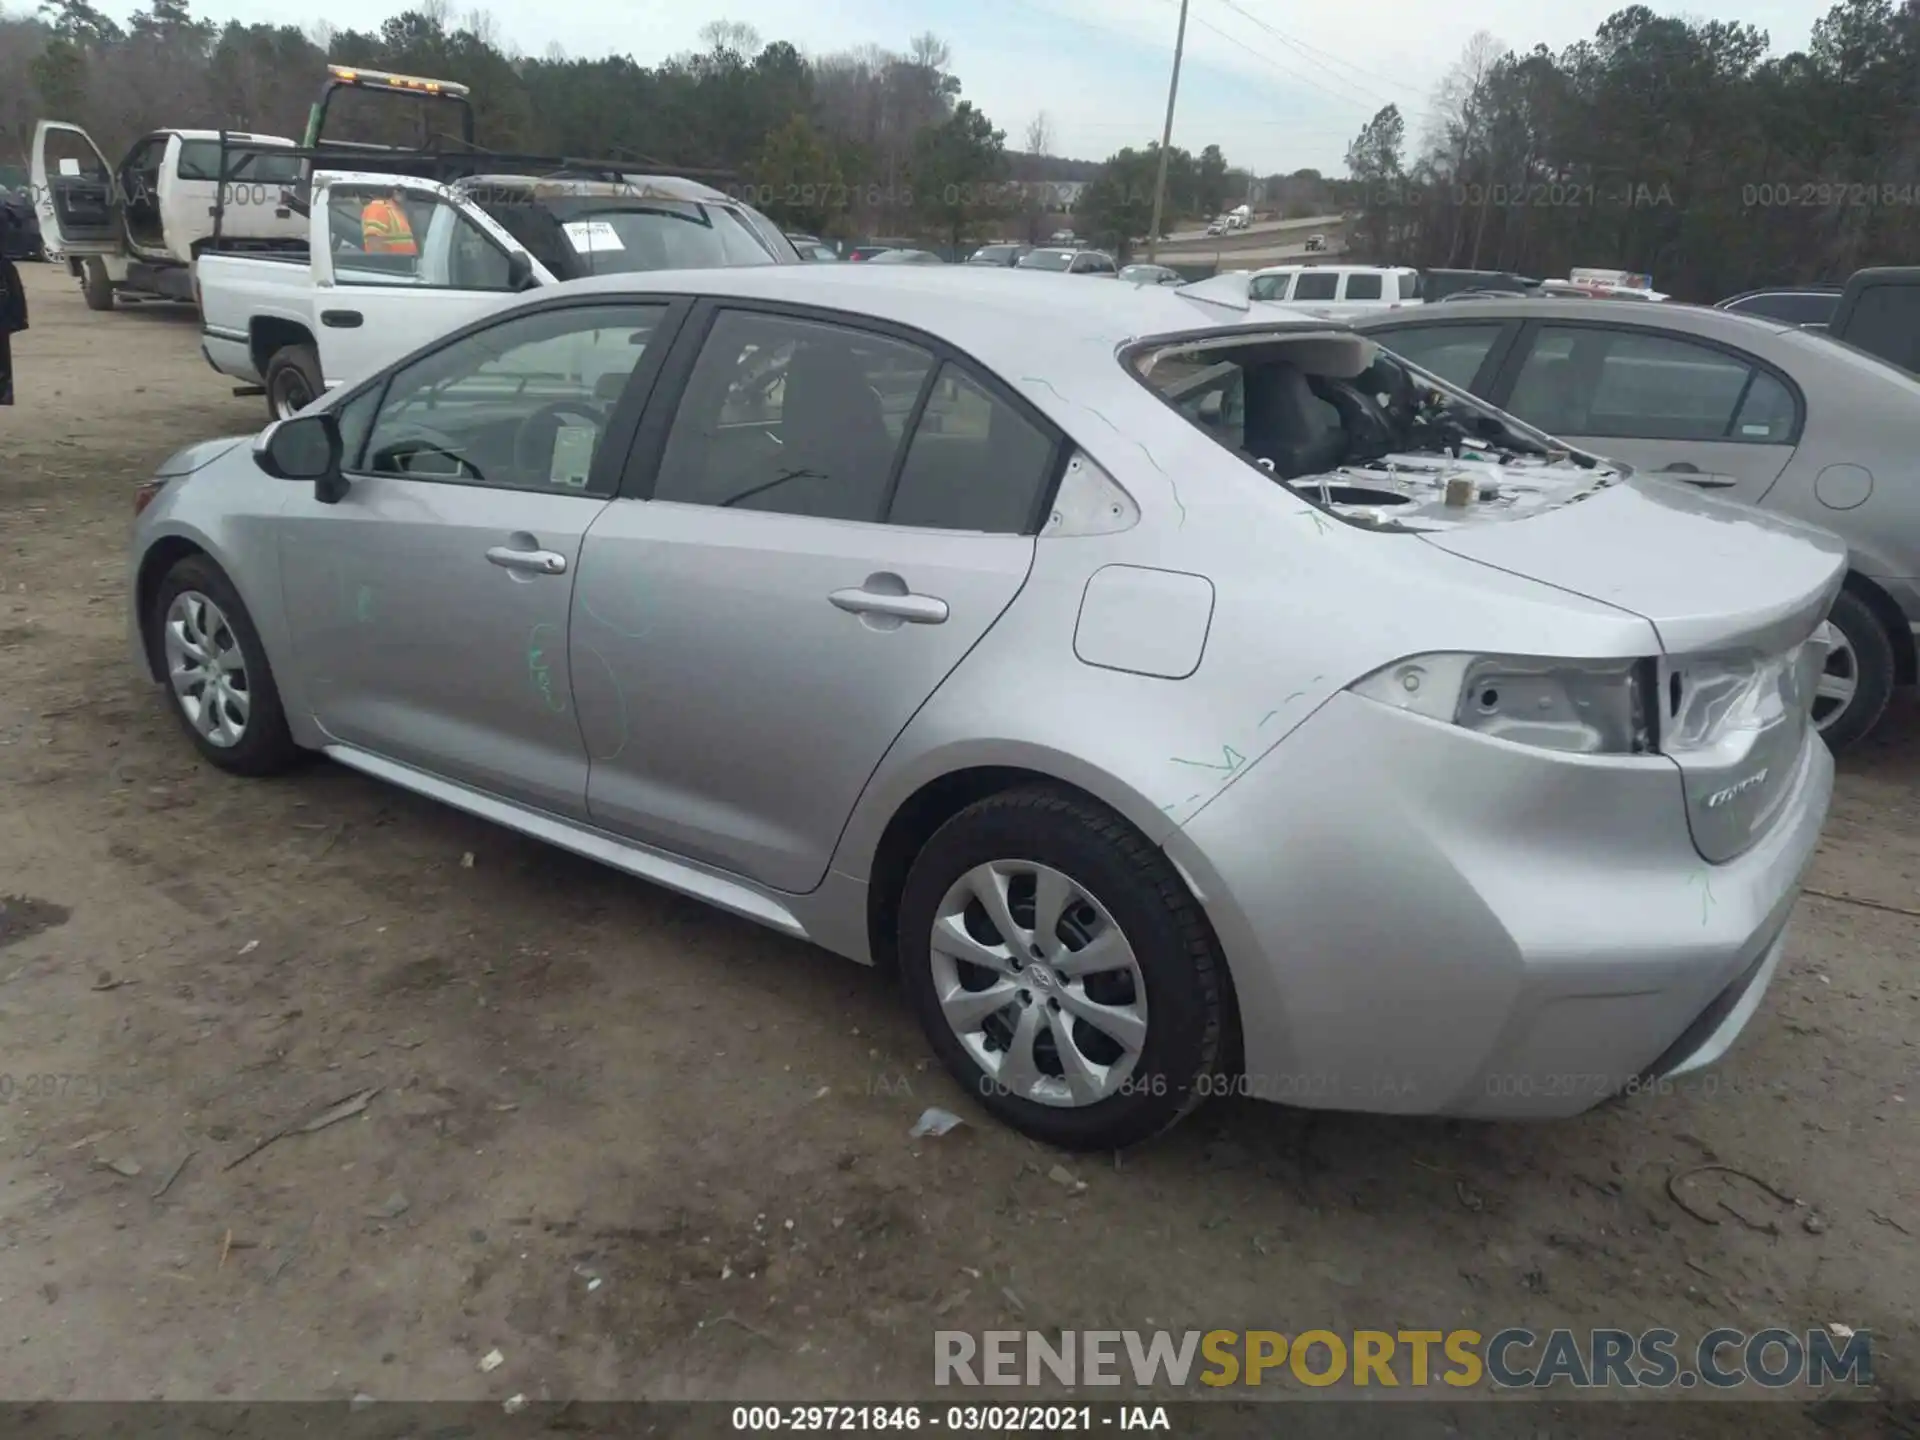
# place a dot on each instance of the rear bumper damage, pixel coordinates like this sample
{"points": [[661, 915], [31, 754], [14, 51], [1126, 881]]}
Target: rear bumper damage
{"points": [[1425, 921]]}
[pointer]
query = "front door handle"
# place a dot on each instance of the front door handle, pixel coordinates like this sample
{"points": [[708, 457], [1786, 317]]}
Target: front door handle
{"points": [[914, 609], [537, 562], [1681, 467]]}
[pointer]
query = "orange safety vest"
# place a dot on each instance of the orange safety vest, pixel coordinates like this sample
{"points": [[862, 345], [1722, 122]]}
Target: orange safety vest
{"points": [[384, 229]]}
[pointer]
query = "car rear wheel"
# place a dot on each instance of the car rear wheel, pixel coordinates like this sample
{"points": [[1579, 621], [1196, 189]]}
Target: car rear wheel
{"points": [[1857, 683], [292, 380], [1062, 971], [218, 680]]}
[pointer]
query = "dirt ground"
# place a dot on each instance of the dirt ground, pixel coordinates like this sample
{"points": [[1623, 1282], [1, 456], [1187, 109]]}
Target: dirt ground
{"points": [[644, 1149]]}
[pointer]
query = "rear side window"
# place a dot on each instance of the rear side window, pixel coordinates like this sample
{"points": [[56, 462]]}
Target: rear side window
{"points": [[1453, 352], [792, 416], [975, 462], [1622, 384], [200, 160], [1795, 307], [1363, 287], [1316, 285]]}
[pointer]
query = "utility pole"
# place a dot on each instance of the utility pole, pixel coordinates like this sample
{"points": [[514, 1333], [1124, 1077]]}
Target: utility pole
{"points": [[1166, 139]]}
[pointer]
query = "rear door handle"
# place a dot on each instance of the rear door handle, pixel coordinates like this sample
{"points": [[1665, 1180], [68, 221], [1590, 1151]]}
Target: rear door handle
{"points": [[537, 562], [914, 609], [1681, 467], [342, 319]]}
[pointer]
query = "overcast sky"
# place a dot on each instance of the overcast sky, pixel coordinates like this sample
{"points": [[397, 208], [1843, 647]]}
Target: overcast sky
{"points": [[1277, 87]]}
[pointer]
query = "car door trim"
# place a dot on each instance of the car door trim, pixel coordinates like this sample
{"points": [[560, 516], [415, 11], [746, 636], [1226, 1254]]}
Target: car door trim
{"points": [[642, 463], [629, 855], [1509, 375]]}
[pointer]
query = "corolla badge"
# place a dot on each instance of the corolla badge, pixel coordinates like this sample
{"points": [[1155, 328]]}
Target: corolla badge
{"points": [[1739, 787]]}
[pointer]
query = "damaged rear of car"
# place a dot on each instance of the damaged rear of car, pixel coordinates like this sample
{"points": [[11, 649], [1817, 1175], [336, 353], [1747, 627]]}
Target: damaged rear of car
{"points": [[1534, 875]]}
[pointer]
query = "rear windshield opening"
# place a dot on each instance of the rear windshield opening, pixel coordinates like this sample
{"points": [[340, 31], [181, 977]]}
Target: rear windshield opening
{"points": [[1345, 424]]}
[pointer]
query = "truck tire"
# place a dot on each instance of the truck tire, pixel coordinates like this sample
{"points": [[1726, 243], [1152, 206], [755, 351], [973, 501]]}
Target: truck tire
{"points": [[292, 380], [95, 284]]}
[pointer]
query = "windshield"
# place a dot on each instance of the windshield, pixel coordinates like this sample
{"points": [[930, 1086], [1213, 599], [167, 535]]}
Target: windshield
{"points": [[1047, 260], [590, 235]]}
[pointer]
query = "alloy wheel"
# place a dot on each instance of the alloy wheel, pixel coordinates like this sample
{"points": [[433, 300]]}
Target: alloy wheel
{"points": [[1838, 683], [1039, 983], [207, 669]]}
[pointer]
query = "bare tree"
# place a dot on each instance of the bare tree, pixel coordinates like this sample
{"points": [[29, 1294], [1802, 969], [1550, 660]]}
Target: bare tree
{"points": [[1458, 117], [734, 35], [1040, 135]]}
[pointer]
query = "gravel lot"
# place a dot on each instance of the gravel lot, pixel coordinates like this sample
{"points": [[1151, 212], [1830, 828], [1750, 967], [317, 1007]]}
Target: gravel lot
{"points": [[583, 1078]]}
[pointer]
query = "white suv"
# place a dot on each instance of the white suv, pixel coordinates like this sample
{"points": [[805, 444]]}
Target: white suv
{"points": [[1360, 287]]}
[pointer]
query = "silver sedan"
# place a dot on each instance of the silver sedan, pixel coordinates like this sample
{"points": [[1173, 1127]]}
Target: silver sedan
{"points": [[1186, 702], [1749, 408]]}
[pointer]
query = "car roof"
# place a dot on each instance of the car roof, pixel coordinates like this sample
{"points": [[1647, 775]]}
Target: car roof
{"points": [[1652, 315], [1006, 319], [631, 187]]}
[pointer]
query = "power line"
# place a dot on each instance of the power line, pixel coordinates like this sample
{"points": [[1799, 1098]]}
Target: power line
{"points": [[1314, 52]]}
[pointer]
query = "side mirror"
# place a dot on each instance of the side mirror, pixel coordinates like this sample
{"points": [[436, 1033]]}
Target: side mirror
{"points": [[305, 447], [520, 271]]}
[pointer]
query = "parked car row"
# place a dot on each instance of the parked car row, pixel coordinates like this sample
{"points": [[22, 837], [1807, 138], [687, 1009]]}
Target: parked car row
{"points": [[885, 499]]}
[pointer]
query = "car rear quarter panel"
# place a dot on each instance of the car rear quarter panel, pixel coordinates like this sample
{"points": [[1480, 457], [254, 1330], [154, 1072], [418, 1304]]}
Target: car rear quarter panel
{"points": [[1304, 604]]}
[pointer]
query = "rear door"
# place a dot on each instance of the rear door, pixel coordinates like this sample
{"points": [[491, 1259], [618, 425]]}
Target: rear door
{"points": [[74, 193], [374, 307], [1661, 401], [835, 513]]}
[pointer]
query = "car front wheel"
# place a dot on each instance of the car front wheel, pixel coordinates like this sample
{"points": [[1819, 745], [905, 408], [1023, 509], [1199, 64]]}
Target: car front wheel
{"points": [[218, 681], [1062, 971]]}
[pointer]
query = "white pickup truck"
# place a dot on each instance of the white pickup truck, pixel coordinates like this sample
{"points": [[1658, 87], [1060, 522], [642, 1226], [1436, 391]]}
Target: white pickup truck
{"points": [[136, 229], [296, 325]]}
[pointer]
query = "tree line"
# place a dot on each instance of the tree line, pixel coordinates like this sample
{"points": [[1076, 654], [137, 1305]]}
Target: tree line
{"points": [[848, 144], [1677, 148], [1680, 148]]}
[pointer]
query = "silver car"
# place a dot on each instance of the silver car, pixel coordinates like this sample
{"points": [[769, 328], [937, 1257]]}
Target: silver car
{"points": [[1177, 716], [1753, 409]]}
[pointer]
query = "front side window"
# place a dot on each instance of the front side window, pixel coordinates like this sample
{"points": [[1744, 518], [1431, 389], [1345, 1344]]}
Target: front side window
{"points": [[792, 416], [1268, 287], [395, 236], [521, 405], [1316, 285]]}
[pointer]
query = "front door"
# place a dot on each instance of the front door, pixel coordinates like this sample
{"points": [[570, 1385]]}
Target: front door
{"points": [[837, 517], [429, 607], [376, 305], [1670, 406], [74, 193]]}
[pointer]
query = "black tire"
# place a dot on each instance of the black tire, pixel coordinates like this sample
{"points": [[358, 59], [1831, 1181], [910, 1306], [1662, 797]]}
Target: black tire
{"points": [[265, 746], [1179, 962], [1873, 672], [292, 380], [95, 284]]}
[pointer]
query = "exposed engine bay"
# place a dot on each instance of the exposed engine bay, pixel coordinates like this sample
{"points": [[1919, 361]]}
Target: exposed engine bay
{"points": [[1365, 436]]}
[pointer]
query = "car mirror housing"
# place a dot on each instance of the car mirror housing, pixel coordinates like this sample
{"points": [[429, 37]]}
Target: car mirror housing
{"points": [[304, 447], [520, 271]]}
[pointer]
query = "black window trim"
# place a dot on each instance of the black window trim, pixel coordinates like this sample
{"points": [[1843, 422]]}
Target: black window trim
{"points": [[1491, 364], [1503, 383], [604, 477], [648, 446]]}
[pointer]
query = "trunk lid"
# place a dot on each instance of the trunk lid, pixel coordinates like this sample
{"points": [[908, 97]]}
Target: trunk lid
{"points": [[1739, 598]]}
